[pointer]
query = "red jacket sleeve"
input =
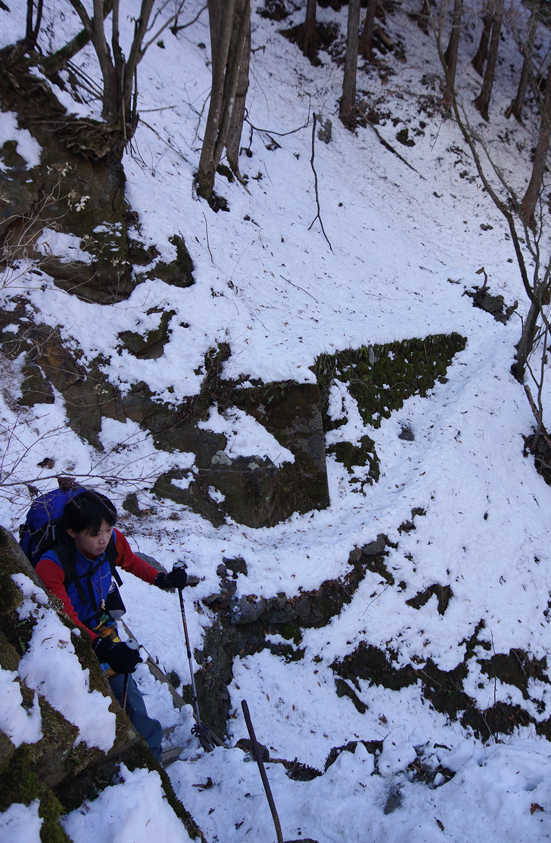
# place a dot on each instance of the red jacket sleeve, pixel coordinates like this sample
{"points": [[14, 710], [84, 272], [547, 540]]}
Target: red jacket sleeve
{"points": [[128, 561], [53, 577]]}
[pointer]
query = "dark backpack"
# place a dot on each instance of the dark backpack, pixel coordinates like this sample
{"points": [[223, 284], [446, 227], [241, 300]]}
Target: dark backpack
{"points": [[42, 531]]}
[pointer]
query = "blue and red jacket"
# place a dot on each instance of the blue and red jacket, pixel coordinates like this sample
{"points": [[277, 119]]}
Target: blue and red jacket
{"points": [[86, 614]]}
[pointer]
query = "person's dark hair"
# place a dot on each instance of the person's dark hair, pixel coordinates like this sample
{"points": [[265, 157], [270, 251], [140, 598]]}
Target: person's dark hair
{"points": [[87, 510]]}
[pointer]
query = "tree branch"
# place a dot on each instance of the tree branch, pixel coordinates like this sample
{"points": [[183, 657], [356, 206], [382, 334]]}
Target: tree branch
{"points": [[318, 215]]}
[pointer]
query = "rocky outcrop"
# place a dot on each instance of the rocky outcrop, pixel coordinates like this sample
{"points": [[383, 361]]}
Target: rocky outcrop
{"points": [[78, 192], [70, 216]]}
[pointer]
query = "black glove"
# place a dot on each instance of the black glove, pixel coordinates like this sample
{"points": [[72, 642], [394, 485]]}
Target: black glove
{"points": [[177, 578], [119, 657]]}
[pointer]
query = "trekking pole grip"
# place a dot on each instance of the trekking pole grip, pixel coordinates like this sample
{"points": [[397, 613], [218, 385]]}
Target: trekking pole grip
{"points": [[262, 771]]}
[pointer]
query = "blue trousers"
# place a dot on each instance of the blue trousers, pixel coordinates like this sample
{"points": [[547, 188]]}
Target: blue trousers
{"points": [[147, 727]]}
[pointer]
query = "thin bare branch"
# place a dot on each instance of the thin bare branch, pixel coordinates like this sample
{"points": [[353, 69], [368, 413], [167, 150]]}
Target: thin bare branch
{"points": [[318, 215]]}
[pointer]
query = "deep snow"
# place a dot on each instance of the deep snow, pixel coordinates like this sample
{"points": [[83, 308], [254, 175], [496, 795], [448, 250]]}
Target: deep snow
{"points": [[406, 244]]}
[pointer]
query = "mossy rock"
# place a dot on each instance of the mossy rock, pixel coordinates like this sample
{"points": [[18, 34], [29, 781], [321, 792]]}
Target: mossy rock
{"points": [[80, 172], [196, 497], [19, 783], [150, 346], [6, 750], [382, 377], [256, 492], [355, 456], [47, 757], [9, 657], [179, 272], [84, 186], [19, 185], [213, 678], [12, 561], [291, 412]]}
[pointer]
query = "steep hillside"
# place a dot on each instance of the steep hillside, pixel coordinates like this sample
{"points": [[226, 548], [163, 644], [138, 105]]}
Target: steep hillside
{"points": [[299, 398]]}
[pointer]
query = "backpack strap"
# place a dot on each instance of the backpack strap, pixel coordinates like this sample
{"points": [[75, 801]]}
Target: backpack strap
{"points": [[112, 553], [65, 552]]}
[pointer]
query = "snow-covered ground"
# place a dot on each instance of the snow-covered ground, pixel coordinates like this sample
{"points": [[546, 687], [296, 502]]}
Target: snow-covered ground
{"points": [[405, 244]]}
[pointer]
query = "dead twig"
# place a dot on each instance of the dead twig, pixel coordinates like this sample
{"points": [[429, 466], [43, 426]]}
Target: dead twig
{"points": [[318, 215], [207, 236], [390, 148]]}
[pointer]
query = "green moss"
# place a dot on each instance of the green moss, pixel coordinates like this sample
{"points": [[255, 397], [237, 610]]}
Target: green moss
{"points": [[291, 632], [382, 377], [50, 809], [179, 809], [19, 783], [352, 456], [10, 596]]}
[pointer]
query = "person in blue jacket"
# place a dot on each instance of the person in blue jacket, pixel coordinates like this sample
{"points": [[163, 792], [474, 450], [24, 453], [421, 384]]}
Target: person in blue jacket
{"points": [[89, 523]]}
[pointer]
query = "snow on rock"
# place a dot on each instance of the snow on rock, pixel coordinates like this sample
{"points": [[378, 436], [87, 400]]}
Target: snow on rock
{"points": [[51, 667], [135, 811], [27, 146], [245, 436], [29, 589], [65, 246], [20, 726], [21, 823]]}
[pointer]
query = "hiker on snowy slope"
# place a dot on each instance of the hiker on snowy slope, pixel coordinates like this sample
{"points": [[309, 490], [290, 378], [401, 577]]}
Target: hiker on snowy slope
{"points": [[88, 521]]}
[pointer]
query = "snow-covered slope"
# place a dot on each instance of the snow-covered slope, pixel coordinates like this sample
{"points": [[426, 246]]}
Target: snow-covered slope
{"points": [[405, 243]]}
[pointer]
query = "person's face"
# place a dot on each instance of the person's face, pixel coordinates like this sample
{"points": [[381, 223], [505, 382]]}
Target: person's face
{"points": [[92, 544]]}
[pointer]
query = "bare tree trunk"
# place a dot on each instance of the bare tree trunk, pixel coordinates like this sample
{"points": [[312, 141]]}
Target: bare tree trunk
{"points": [[450, 56], [118, 75], [366, 37], [537, 279], [230, 25], [527, 48], [118, 60], [308, 42], [528, 204], [128, 77], [347, 111], [526, 342], [33, 24], [479, 58], [235, 128], [482, 101], [424, 16], [51, 64]]}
